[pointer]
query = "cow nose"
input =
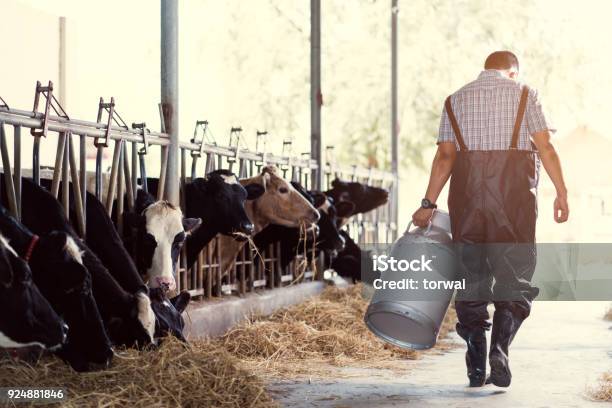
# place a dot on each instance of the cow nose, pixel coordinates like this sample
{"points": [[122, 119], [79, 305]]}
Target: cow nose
{"points": [[247, 228], [164, 283]]}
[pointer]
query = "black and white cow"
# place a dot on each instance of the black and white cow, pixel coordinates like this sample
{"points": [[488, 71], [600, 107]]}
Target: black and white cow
{"points": [[128, 317], [169, 313], [57, 269], [218, 199], [161, 231], [27, 320], [348, 261], [330, 240], [365, 197], [104, 240]]}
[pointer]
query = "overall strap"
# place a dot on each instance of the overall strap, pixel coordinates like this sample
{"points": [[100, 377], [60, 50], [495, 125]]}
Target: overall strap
{"points": [[454, 124], [519, 117]]}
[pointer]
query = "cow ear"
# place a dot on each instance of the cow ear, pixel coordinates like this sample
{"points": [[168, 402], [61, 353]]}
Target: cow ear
{"points": [[181, 301], [191, 224], [319, 199], [143, 200], [345, 208], [254, 191], [336, 183]]}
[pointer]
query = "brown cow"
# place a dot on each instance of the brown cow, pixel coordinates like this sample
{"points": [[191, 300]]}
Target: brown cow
{"points": [[281, 204]]}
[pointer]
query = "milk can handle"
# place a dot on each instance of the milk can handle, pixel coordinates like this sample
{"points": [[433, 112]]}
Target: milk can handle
{"points": [[427, 230]]}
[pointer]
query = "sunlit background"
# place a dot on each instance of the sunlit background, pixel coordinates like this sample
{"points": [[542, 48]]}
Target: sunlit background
{"points": [[246, 63]]}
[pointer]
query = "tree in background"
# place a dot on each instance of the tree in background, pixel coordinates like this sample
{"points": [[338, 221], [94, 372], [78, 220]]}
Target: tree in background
{"points": [[442, 45]]}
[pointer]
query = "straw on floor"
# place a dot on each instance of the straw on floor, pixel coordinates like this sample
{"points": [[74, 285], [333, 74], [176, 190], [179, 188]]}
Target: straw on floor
{"points": [[603, 392], [327, 328], [608, 315], [199, 375]]}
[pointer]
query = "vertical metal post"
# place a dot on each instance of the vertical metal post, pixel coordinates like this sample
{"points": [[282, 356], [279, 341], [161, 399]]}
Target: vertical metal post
{"points": [[169, 92], [62, 61], [8, 177], [77, 187], [134, 172], [120, 188], [66, 174], [36, 160], [59, 159], [316, 97], [83, 175], [394, 116], [17, 175]]}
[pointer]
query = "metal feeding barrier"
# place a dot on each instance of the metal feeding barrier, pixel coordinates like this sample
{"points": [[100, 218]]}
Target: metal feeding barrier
{"points": [[128, 165]]}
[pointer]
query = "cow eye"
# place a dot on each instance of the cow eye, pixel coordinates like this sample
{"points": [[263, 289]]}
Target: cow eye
{"points": [[149, 241], [283, 190]]}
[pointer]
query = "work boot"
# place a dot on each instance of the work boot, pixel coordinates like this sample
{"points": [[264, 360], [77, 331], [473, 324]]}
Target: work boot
{"points": [[505, 326], [476, 355]]}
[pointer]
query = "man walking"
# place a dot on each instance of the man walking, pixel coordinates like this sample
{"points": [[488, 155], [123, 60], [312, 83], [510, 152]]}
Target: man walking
{"points": [[492, 137]]}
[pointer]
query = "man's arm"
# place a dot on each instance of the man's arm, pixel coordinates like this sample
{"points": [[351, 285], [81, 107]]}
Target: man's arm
{"points": [[552, 165], [440, 172]]}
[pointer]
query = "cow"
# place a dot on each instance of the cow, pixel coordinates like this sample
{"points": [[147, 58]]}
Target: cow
{"points": [[348, 261], [280, 204], [57, 269], [169, 313], [161, 231], [104, 240], [128, 317], [27, 322], [328, 238], [365, 197], [219, 200]]}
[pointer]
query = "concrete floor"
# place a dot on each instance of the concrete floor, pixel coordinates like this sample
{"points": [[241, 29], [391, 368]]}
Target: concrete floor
{"points": [[559, 352]]}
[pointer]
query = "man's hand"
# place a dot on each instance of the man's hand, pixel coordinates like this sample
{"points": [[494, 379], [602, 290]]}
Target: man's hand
{"points": [[561, 208], [422, 216], [552, 164]]}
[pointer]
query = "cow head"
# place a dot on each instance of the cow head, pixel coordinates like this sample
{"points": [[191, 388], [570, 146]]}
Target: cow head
{"points": [[365, 197], [169, 313], [329, 238], [66, 282], [137, 327], [56, 262], [28, 320], [162, 231], [281, 203], [219, 200]]}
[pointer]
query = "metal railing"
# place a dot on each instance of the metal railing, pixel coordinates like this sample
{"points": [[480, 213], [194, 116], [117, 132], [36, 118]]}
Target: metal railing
{"points": [[198, 157]]}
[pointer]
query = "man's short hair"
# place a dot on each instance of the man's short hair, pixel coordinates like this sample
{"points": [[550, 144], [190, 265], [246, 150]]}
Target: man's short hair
{"points": [[502, 60]]}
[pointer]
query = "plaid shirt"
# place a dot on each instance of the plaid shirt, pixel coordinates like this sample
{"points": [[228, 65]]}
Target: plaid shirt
{"points": [[486, 111]]}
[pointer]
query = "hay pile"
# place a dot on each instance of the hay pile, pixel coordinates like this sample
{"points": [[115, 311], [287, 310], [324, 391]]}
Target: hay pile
{"points": [[327, 328], [608, 315], [200, 375], [604, 391]]}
